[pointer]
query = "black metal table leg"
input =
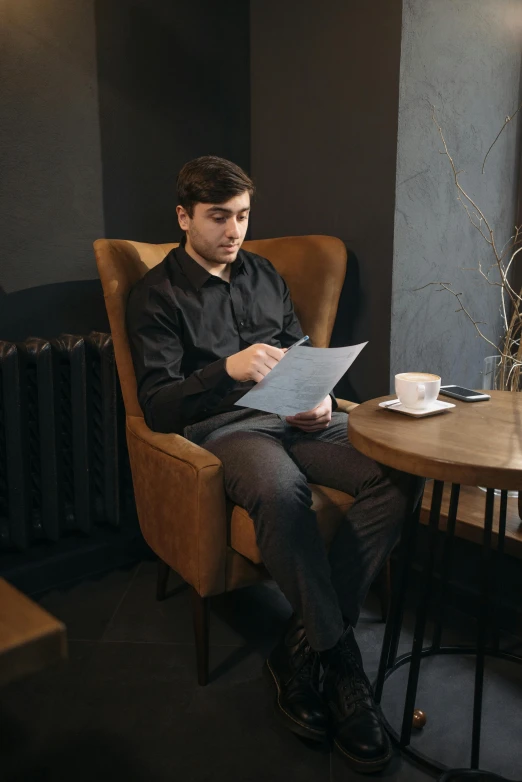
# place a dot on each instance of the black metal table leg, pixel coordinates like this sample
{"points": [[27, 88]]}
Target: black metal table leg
{"points": [[482, 631], [393, 624], [446, 566], [474, 772], [498, 568], [402, 586], [390, 663], [422, 611]]}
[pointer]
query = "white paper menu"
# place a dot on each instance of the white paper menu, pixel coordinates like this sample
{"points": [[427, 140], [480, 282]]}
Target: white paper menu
{"points": [[301, 380]]}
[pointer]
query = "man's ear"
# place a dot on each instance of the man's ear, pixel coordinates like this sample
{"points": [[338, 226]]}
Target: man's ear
{"points": [[183, 218]]}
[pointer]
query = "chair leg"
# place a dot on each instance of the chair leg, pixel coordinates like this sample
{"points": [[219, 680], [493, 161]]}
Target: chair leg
{"points": [[163, 577], [200, 618], [384, 586]]}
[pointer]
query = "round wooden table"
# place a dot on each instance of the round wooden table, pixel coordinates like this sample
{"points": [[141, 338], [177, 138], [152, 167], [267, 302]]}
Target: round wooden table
{"points": [[475, 444]]}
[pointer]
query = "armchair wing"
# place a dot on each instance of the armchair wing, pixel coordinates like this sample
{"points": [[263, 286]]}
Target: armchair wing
{"points": [[345, 406]]}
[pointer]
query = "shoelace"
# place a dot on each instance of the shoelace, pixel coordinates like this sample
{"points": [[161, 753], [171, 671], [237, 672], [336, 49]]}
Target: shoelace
{"points": [[355, 684], [305, 667]]}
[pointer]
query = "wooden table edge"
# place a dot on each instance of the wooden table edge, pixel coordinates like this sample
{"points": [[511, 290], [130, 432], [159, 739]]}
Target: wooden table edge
{"points": [[429, 467], [30, 637]]}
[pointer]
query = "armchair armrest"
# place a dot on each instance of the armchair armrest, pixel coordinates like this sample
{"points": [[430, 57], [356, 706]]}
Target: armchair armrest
{"points": [[180, 499], [345, 406]]}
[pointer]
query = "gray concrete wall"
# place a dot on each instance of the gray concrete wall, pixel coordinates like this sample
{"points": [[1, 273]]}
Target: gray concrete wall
{"points": [[463, 56], [51, 174], [324, 95]]}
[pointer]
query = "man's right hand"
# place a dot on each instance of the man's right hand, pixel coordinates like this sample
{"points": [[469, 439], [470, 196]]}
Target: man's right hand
{"points": [[254, 362]]}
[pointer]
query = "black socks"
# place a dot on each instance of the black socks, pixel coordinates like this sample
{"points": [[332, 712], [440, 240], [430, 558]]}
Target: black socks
{"points": [[328, 654]]}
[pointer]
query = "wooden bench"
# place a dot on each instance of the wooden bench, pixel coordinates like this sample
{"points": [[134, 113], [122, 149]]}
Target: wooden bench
{"points": [[470, 517], [469, 526], [30, 638]]}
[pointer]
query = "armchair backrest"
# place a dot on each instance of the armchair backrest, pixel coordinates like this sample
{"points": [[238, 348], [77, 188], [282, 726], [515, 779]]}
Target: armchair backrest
{"points": [[314, 268]]}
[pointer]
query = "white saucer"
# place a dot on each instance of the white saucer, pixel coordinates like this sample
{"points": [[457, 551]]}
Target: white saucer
{"points": [[438, 406]]}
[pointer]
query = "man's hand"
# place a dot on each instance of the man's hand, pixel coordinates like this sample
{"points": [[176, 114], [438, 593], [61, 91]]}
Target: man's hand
{"points": [[313, 420], [254, 362]]}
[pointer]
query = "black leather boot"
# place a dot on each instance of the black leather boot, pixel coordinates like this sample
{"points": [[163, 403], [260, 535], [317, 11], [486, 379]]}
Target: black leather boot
{"points": [[295, 668], [355, 718]]}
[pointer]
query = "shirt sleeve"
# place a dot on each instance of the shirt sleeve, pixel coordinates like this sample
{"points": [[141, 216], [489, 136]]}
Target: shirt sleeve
{"points": [[169, 400], [292, 330]]}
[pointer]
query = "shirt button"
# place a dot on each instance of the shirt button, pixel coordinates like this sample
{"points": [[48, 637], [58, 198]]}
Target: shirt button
{"points": [[241, 322]]}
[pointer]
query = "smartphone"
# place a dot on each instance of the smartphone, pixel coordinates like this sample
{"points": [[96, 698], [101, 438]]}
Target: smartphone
{"points": [[464, 394]]}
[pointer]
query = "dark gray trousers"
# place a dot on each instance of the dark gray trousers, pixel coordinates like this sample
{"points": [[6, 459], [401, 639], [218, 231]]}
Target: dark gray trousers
{"points": [[267, 466]]}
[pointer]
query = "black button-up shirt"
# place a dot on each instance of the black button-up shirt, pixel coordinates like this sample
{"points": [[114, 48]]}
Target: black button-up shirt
{"points": [[182, 324]]}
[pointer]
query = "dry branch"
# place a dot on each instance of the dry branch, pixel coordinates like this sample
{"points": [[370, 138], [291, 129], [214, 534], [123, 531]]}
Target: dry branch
{"points": [[509, 373]]}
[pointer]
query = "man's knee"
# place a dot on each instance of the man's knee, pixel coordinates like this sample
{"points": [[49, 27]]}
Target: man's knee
{"points": [[259, 474], [282, 497], [404, 492]]}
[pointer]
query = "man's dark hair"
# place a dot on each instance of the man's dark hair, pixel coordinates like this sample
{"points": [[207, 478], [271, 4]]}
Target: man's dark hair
{"points": [[211, 180]]}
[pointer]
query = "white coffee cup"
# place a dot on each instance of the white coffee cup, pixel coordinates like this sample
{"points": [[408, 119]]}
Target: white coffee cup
{"points": [[417, 390]]}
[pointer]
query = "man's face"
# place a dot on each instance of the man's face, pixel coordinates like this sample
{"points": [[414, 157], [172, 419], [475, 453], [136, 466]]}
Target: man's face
{"points": [[215, 232]]}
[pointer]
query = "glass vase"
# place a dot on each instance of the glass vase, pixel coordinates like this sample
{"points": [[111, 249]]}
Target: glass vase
{"points": [[490, 373], [490, 383]]}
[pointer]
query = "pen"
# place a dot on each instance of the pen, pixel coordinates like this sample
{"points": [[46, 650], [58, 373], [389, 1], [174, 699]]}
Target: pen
{"points": [[299, 342]]}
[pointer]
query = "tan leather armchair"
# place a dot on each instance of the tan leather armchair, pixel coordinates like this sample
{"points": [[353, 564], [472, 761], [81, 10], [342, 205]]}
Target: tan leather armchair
{"points": [[184, 514]]}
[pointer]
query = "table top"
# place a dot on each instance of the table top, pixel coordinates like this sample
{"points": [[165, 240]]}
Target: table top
{"points": [[474, 443]]}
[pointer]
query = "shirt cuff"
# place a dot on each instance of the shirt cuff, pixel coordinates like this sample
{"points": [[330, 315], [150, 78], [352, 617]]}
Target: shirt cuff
{"points": [[215, 377]]}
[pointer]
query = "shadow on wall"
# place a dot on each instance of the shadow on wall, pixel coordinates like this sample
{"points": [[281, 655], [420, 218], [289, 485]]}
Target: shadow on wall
{"points": [[350, 304], [165, 70], [50, 310]]}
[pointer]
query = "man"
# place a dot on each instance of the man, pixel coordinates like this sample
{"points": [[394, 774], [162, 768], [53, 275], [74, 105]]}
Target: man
{"points": [[204, 326]]}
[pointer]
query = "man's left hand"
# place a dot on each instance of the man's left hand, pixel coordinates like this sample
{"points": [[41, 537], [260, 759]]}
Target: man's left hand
{"points": [[313, 420]]}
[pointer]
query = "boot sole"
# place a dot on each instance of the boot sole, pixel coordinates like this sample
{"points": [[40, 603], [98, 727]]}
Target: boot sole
{"points": [[365, 766], [290, 722]]}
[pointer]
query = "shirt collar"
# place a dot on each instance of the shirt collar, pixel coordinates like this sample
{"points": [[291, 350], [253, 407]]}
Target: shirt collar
{"points": [[197, 274]]}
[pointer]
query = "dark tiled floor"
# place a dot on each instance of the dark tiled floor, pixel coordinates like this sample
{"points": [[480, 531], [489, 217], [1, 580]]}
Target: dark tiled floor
{"points": [[127, 706]]}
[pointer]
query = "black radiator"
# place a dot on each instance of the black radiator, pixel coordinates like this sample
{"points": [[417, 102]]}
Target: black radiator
{"points": [[64, 467]]}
